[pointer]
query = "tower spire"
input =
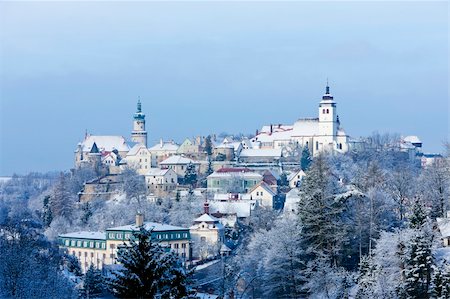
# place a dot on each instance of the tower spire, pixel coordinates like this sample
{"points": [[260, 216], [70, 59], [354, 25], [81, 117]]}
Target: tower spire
{"points": [[327, 89], [139, 106]]}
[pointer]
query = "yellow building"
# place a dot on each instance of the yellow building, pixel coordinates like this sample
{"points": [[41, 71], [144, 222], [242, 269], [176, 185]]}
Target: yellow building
{"points": [[100, 248]]}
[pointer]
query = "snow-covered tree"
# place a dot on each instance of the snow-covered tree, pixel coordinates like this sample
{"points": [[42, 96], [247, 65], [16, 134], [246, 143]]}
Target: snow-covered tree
{"points": [[47, 216], [305, 160], [148, 270], [93, 283], [190, 177], [62, 199]]}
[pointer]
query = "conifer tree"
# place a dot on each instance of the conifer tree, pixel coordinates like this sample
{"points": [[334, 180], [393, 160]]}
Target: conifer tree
{"points": [[190, 176], [208, 145], [92, 283], [441, 283], [87, 213], [418, 216], [47, 216], [148, 270], [305, 160]]}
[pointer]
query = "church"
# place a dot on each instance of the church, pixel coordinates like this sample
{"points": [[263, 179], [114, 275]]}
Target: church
{"points": [[115, 150], [323, 133]]}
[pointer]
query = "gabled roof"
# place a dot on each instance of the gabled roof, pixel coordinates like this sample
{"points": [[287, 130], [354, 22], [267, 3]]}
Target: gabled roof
{"points": [[105, 143], [135, 149], [252, 152], [158, 172], [444, 226], [265, 187], [294, 174], [206, 218], [94, 149], [176, 159], [164, 146]]}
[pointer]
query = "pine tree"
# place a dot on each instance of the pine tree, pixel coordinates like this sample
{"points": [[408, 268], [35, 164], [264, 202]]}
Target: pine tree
{"points": [[92, 283], [210, 168], [148, 270], [305, 160], [417, 270], [208, 146], [441, 283], [190, 176], [47, 216], [418, 217], [319, 212], [87, 213], [366, 278]]}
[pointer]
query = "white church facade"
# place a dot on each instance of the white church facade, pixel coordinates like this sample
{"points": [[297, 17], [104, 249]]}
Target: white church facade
{"points": [[320, 134]]}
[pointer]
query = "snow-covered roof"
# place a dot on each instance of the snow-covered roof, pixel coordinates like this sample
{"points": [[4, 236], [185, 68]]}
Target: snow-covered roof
{"points": [[206, 218], [164, 146], [412, 139], [217, 174], [231, 196], [293, 195], [275, 153], [444, 226], [85, 235], [156, 227], [157, 172], [302, 127], [265, 187], [176, 159], [240, 208], [294, 174], [135, 149], [105, 143]]}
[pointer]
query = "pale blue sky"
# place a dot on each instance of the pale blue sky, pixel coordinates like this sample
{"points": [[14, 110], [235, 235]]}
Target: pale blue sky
{"points": [[204, 67]]}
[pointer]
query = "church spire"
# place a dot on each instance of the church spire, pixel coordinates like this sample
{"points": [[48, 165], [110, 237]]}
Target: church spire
{"points": [[327, 89]]}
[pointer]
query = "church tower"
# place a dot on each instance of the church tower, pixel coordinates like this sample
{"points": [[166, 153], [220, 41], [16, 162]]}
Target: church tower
{"points": [[139, 134], [328, 121]]}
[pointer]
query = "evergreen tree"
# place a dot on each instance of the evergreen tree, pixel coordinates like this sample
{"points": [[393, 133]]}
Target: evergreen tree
{"points": [[190, 176], [47, 216], [92, 283], [305, 160], [441, 283], [87, 213], [366, 278], [210, 168], [208, 146], [148, 271], [417, 272], [319, 213], [418, 217]]}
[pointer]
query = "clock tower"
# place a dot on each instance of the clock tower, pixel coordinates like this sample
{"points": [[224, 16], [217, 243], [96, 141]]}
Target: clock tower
{"points": [[139, 134]]}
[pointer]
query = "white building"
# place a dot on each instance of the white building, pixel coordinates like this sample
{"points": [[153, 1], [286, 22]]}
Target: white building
{"points": [[295, 178], [178, 164], [160, 182], [139, 158], [263, 194], [162, 151], [139, 135], [318, 134]]}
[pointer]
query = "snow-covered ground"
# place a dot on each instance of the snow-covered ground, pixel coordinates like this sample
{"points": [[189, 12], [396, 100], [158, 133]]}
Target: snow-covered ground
{"points": [[206, 265]]}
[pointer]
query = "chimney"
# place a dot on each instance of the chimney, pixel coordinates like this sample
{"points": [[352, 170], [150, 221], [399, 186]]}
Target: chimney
{"points": [[206, 207], [271, 129], [139, 219]]}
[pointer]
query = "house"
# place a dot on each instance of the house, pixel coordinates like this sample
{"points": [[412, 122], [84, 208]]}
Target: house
{"points": [[224, 152], [178, 164], [162, 151], [161, 182], [295, 178], [264, 194], [444, 228], [192, 148], [233, 180], [208, 234], [100, 248], [292, 201], [139, 158]]}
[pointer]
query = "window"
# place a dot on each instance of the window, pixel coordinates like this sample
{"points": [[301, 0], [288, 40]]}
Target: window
{"points": [[112, 246], [328, 111], [176, 245], [72, 243], [202, 239], [97, 245], [183, 254], [323, 111], [85, 244], [178, 236], [91, 244], [183, 245], [111, 235], [261, 193], [185, 235], [66, 242], [317, 145], [104, 245], [119, 236], [85, 254], [92, 255], [127, 236], [79, 243]]}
